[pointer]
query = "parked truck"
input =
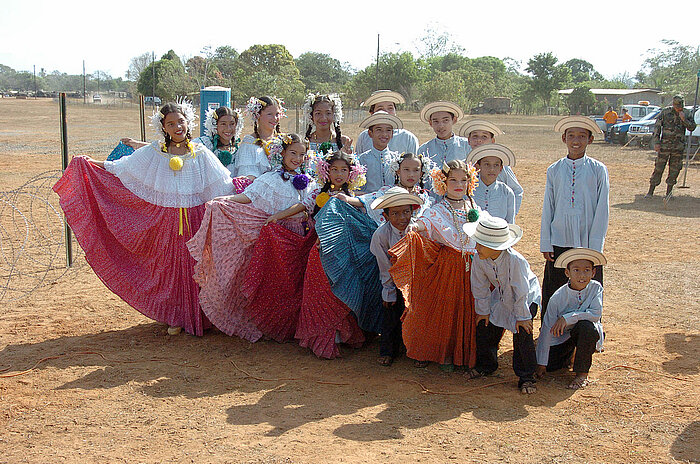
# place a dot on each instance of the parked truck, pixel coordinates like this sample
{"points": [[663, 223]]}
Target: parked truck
{"points": [[493, 105]]}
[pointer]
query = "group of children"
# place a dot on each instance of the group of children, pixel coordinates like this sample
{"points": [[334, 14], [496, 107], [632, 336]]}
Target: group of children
{"points": [[311, 239]]}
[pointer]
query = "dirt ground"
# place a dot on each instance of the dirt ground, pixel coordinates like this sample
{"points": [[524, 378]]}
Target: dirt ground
{"points": [[118, 389]]}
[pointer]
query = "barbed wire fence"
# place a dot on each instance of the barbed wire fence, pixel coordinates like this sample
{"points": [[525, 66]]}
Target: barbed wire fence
{"points": [[32, 238]]}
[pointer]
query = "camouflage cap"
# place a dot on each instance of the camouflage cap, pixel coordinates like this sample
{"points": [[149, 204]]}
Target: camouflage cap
{"points": [[677, 99]]}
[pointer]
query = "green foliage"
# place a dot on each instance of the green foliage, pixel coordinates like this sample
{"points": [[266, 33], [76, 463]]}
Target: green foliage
{"points": [[582, 71], [320, 72], [672, 69], [581, 100], [224, 60], [171, 79], [547, 76]]}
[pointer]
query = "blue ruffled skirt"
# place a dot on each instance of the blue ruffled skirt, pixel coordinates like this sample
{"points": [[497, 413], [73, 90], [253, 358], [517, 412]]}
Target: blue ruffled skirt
{"points": [[345, 234]]}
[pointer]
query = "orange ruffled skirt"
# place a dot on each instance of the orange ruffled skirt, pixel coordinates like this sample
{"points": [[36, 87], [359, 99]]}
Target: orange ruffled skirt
{"points": [[438, 323]]}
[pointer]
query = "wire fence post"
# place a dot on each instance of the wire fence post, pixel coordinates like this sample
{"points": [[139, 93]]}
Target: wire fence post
{"points": [[142, 117], [64, 165]]}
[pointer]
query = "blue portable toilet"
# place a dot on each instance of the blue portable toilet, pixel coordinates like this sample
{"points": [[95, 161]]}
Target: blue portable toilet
{"points": [[212, 97]]}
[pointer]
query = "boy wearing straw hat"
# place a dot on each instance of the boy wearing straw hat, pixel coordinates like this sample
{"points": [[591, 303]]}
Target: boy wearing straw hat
{"points": [[511, 305], [446, 146], [573, 318], [380, 127], [575, 207], [403, 141], [480, 132], [398, 206], [491, 194]]}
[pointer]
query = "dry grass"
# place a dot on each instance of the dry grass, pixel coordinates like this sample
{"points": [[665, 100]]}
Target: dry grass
{"points": [[120, 390]]}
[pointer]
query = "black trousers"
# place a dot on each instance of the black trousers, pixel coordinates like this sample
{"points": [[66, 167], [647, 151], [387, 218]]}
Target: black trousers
{"points": [[583, 339], [391, 341], [554, 277], [488, 337]]}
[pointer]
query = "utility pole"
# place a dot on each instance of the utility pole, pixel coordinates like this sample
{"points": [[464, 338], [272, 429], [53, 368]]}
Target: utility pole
{"points": [[153, 81], [34, 82], [84, 85], [377, 70]]}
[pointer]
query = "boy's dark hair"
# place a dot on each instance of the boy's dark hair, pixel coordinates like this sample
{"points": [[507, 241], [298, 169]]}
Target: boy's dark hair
{"points": [[336, 125], [173, 108], [590, 132], [371, 108], [268, 101], [569, 263], [335, 156]]}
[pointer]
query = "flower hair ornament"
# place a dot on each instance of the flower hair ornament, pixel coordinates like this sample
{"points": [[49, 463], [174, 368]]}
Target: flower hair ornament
{"points": [[394, 162], [255, 106], [187, 109], [211, 120], [439, 177], [276, 148], [356, 179], [307, 109]]}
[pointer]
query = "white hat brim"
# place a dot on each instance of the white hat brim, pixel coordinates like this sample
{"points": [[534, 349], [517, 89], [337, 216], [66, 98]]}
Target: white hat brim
{"points": [[383, 118], [596, 257], [479, 124], [434, 107], [515, 233], [396, 199], [384, 96], [492, 149], [580, 122]]}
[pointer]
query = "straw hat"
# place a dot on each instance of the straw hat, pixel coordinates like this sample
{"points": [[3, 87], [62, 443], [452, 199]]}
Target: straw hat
{"points": [[396, 196], [492, 149], [479, 124], [384, 96], [493, 232], [596, 257], [580, 122], [381, 117], [434, 107]]}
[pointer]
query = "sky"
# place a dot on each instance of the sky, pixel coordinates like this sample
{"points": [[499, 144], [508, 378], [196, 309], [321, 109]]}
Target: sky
{"points": [[613, 36]]}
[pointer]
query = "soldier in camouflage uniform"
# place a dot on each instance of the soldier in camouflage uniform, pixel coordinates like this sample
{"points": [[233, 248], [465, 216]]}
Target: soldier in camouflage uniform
{"points": [[669, 143]]}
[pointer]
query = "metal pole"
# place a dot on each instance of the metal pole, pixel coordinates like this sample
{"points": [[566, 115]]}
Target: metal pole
{"points": [[34, 82], [153, 81], [64, 165], [377, 70], [142, 117], [84, 85], [690, 137]]}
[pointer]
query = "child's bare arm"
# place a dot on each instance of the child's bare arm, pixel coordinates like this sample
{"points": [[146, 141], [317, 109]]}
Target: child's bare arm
{"points": [[289, 212], [238, 198], [353, 201]]}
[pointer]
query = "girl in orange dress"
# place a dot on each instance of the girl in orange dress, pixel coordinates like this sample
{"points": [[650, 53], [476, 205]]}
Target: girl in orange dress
{"points": [[432, 272]]}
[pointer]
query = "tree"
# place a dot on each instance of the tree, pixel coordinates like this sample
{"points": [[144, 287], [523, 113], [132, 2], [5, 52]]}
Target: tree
{"points": [[672, 69], [137, 64], [436, 42], [267, 70], [171, 80], [547, 76], [320, 72], [225, 61], [581, 100], [582, 70]]}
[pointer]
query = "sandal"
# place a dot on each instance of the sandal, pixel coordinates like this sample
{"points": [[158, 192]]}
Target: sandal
{"points": [[448, 367], [174, 330], [578, 383], [420, 364], [385, 361], [528, 387], [473, 374]]}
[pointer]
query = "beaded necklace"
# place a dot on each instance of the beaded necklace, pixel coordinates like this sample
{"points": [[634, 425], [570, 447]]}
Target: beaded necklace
{"points": [[463, 239]]}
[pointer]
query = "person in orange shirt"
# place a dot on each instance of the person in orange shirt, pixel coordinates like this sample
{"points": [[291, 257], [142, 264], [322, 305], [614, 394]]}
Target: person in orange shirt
{"points": [[610, 119], [626, 116]]}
